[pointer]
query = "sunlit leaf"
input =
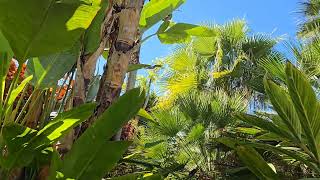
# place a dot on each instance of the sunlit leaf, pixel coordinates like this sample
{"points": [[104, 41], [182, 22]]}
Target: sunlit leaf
{"points": [[42, 27], [47, 70], [92, 35], [155, 11], [81, 162], [182, 32]]}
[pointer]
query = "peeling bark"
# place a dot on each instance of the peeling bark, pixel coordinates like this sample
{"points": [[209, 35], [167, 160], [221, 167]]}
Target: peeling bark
{"points": [[86, 63], [123, 40]]}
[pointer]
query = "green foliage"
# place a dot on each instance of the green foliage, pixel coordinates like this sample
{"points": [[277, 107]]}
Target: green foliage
{"points": [[306, 105], [92, 35], [309, 28], [4, 66], [135, 176], [274, 65], [155, 11], [134, 67], [297, 122], [253, 160], [182, 32], [179, 138], [47, 70], [24, 144], [87, 163], [15, 92], [229, 54], [37, 27], [83, 162], [4, 45]]}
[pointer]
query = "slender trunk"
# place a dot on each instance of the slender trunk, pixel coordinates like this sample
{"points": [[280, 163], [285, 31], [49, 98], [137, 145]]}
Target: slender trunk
{"points": [[132, 78], [123, 41], [128, 131], [145, 105]]}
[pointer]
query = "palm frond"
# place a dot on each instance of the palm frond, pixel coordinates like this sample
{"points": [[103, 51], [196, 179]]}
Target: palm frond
{"points": [[310, 28], [275, 65], [259, 45], [234, 32], [310, 10], [169, 122]]}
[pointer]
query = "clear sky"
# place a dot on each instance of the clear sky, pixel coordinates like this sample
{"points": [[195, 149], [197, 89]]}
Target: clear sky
{"points": [[277, 16]]}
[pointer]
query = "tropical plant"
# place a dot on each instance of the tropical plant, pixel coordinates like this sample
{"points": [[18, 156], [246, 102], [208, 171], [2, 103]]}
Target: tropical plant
{"points": [[178, 142], [309, 28], [26, 147], [229, 60], [295, 127]]}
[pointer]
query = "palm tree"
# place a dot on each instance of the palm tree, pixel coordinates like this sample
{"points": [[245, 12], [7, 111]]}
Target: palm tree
{"points": [[229, 60], [310, 10], [179, 140], [203, 83]]}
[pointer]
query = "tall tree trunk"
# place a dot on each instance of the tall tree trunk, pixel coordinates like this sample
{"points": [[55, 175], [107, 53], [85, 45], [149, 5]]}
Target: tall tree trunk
{"points": [[123, 41], [86, 66]]}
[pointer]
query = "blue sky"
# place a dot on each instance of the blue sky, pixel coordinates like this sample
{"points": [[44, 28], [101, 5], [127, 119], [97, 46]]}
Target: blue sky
{"points": [[277, 16]]}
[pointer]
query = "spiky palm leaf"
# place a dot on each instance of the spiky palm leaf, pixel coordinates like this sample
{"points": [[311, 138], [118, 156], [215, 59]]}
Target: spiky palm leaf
{"points": [[228, 59], [310, 26], [183, 133]]}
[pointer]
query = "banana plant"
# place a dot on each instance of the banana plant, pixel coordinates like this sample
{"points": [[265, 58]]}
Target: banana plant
{"points": [[295, 125], [22, 146]]}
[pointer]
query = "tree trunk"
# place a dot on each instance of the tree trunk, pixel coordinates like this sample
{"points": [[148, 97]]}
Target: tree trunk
{"points": [[123, 41], [128, 131], [86, 66]]}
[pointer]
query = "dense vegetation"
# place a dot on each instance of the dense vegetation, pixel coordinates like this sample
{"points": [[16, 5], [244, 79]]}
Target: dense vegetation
{"points": [[226, 104]]}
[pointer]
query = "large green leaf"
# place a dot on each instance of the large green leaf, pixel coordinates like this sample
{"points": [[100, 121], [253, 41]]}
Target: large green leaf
{"points": [[16, 138], [306, 105], [103, 160], [24, 143], [56, 162], [92, 36], [232, 143], [164, 26], [291, 153], [253, 160], [157, 10], [42, 27], [182, 32], [4, 45], [264, 124], [48, 70], [144, 114], [60, 125], [283, 105], [80, 162]]}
